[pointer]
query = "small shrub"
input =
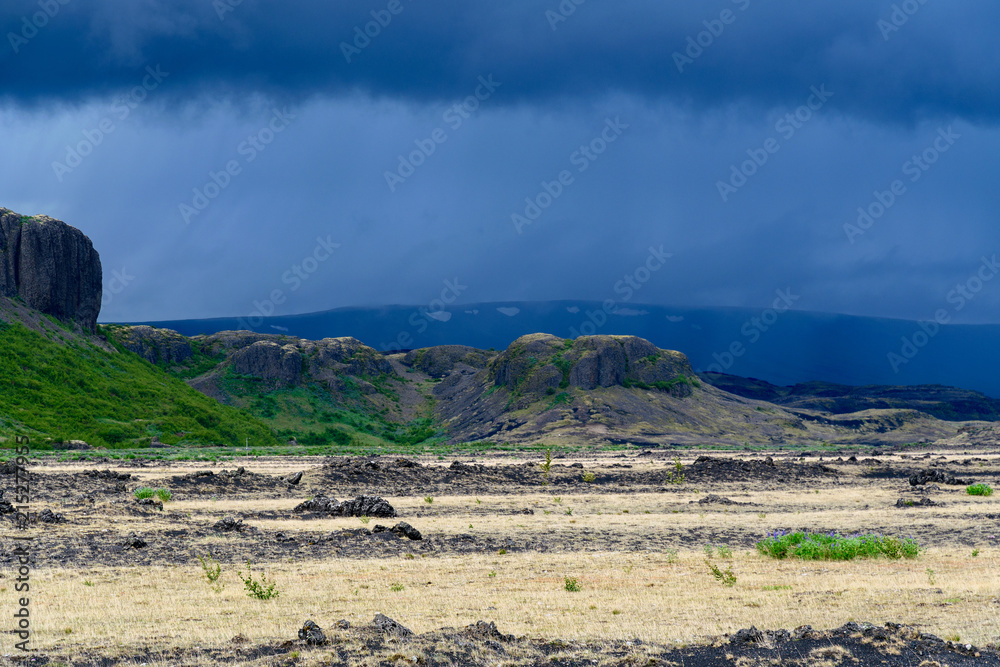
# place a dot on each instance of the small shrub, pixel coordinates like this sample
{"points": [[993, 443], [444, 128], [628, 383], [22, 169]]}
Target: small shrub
{"points": [[428, 499], [212, 571], [975, 552], [164, 494], [395, 587], [676, 476], [671, 555], [589, 477], [492, 573], [725, 577], [364, 518], [546, 466], [979, 490], [261, 590], [502, 552], [143, 492], [571, 585], [930, 576]]}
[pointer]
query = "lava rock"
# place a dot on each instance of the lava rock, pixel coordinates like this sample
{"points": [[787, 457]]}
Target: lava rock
{"points": [[133, 541], [388, 626], [228, 524], [372, 506], [406, 530], [150, 502], [486, 631], [48, 516], [312, 634], [938, 476], [294, 479], [342, 624]]}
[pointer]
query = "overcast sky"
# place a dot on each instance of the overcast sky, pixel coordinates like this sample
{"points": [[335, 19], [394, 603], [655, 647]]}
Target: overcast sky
{"points": [[221, 153]]}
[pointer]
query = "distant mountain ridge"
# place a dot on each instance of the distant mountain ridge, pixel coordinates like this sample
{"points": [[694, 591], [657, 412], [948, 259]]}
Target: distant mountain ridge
{"points": [[783, 348]]}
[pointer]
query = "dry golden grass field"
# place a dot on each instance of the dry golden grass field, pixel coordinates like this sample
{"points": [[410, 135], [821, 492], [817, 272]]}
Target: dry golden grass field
{"points": [[504, 543]]}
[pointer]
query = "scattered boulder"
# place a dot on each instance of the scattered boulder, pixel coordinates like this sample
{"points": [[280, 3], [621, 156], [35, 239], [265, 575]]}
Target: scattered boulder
{"points": [[228, 524], [133, 541], [406, 530], [342, 624], [371, 506], [117, 488], [150, 502], [294, 478], [486, 631], [8, 467], [48, 516], [282, 538], [388, 626], [312, 634], [939, 476], [752, 635], [5, 506]]}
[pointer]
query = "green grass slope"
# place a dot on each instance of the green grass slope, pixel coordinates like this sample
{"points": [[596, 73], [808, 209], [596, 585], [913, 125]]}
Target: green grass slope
{"points": [[74, 389]]}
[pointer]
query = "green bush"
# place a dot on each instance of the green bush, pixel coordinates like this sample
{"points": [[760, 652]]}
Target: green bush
{"points": [[979, 490], [571, 585], [833, 546], [261, 590]]}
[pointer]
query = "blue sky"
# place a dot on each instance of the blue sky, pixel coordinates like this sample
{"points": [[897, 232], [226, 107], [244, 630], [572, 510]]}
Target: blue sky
{"points": [[366, 153]]}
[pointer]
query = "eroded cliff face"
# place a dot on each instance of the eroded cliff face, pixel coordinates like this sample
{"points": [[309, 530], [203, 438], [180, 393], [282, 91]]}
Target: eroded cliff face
{"points": [[51, 266]]}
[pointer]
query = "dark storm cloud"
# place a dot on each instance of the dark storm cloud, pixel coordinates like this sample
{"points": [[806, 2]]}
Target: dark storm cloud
{"points": [[938, 61]]}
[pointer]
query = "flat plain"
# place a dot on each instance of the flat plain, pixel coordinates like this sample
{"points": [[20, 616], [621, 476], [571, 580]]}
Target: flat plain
{"points": [[606, 559]]}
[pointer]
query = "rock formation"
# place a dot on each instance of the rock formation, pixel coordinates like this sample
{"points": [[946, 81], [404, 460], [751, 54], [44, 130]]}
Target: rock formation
{"points": [[51, 266]]}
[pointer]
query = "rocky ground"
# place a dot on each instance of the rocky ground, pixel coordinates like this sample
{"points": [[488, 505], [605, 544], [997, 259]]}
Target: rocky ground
{"points": [[85, 516]]}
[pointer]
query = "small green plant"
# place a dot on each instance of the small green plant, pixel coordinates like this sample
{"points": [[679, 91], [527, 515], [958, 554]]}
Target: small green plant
{"points": [[979, 490], [975, 553], [396, 587], [478, 501], [261, 590], [88, 582], [571, 585], [953, 638], [146, 492], [724, 551], [671, 555], [212, 571], [364, 518], [615, 612], [502, 552], [492, 573], [709, 550], [546, 467], [833, 546], [930, 576], [569, 511], [557, 500], [777, 587], [589, 477], [676, 476], [725, 577], [761, 515], [428, 499]]}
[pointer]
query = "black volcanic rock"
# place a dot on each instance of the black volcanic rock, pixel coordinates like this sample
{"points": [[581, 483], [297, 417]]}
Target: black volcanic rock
{"points": [[53, 267]]}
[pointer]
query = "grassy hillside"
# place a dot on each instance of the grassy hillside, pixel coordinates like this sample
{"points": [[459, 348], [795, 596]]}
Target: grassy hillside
{"points": [[73, 389]]}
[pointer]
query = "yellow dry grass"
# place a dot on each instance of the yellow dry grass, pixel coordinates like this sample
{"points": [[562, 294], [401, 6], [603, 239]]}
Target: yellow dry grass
{"points": [[622, 596]]}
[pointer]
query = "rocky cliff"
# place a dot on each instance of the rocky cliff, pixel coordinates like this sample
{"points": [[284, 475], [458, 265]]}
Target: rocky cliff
{"points": [[51, 266]]}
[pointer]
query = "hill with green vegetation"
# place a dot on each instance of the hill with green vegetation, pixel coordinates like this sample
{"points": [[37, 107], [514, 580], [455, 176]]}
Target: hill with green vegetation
{"points": [[58, 385]]}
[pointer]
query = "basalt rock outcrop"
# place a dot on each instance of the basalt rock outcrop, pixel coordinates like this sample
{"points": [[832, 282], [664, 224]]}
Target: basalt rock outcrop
{"points": [[51, 266], [157, 346]]}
